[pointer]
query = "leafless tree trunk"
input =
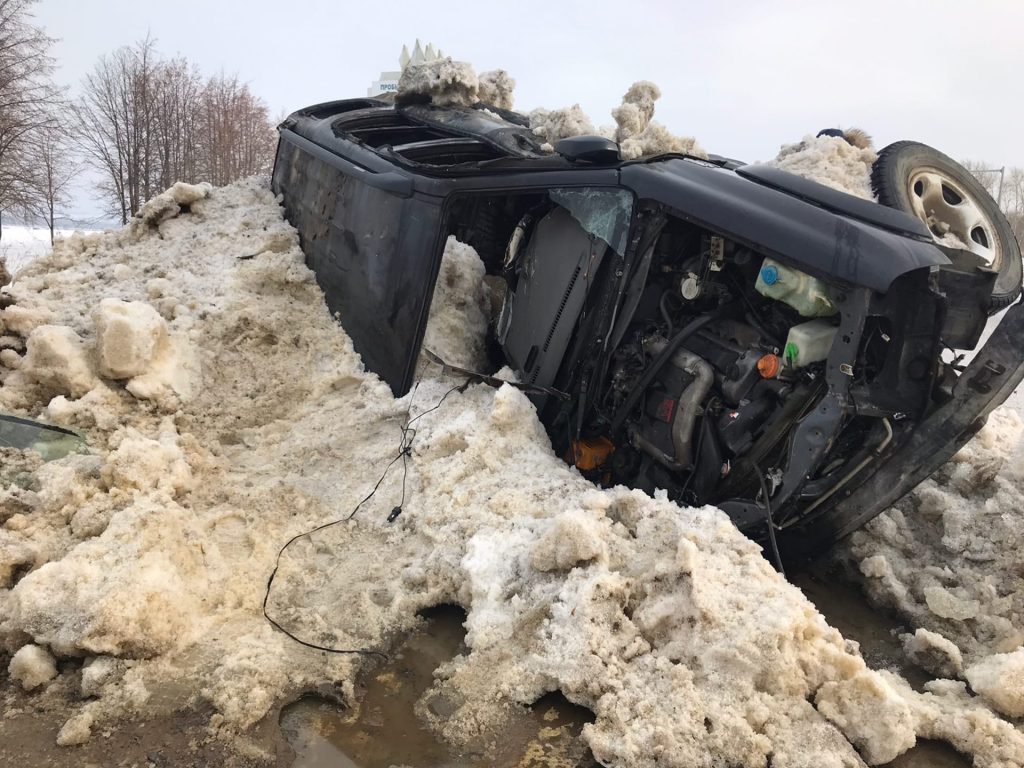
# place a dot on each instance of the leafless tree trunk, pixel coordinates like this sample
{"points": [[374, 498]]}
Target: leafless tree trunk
{"points": [[55, 170], [27, 94]]}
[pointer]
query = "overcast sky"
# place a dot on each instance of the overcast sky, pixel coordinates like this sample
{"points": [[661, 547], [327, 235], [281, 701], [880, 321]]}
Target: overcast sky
{"points": [[742, 76]]}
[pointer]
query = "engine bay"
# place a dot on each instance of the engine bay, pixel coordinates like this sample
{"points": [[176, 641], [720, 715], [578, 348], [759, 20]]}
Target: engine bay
{"points": [[688, 368]]}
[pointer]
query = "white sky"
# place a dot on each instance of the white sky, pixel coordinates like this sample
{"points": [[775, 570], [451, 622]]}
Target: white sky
{"points": [[743, 76]]}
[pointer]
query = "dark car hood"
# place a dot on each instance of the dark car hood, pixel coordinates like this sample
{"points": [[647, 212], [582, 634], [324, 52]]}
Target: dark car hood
{"points": [[831, 235]]}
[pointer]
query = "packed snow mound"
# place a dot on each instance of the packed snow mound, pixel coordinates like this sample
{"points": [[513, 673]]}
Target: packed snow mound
{"points": [[148, 558], [444, 82], [947, 557], [457, 324], [497, 89], [833, 161]]}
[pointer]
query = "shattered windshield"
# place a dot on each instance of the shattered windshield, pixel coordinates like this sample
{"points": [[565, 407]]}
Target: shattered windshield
{"points": [[604, 213], [48, 441]]}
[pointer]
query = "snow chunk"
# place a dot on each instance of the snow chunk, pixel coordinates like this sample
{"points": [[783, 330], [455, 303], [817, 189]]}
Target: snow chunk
{"points": [[871, 714], [99, 671], [129, 334], [444, 82], [133, 591], [555, 124], [167, 205], [457, 324], [57, 360], [573, 538], [1000, 680], [830, 160], [933, 653], [496, 88], [32, 666], [142, 464], [23, 320], [638, 135], [76, 730]]}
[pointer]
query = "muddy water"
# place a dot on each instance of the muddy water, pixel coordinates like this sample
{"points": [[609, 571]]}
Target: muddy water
{"points": [[846, 609], [384, 730]]}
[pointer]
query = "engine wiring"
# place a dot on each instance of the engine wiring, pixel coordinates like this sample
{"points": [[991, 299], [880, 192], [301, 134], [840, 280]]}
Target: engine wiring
{"points": [[769, 520], [408, 435]]}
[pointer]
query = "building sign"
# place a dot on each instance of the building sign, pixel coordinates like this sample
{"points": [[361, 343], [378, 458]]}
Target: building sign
{"points": [[388, 81]]}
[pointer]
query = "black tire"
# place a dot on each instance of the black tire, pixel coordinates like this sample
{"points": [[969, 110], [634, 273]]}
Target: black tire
{"points": [[891, 177]]}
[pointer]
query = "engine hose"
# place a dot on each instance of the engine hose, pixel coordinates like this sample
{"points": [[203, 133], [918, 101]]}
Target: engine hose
{"points": [[659, 362], [770, 521]]}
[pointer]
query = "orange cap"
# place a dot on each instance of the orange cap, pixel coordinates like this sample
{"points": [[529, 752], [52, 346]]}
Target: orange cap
{"points": [[768, 366]]}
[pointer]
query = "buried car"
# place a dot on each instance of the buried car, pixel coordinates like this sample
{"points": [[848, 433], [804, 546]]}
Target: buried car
{"points": [[731, 334]]}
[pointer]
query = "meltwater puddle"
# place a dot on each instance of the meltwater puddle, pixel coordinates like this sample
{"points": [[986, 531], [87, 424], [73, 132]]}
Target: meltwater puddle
{"points": [[846, 608], [383, 731]]}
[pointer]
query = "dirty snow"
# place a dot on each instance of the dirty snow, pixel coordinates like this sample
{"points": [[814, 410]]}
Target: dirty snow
{"points": [[444, 82], [496, 89], [32, 666], [637, 133], [552, 125], [147, 560], [833, 161]]}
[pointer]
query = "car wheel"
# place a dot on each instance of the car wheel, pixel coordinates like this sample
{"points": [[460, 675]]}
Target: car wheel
{"points": [[925, 183]]}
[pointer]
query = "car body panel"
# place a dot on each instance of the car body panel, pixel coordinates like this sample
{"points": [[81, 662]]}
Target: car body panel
{"points": [[370, 220]]}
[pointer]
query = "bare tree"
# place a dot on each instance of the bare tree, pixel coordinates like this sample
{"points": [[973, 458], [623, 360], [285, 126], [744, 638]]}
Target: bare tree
{"points": [[54, 171], [176, 104], [27, 94], [237, 138], [115, 125]]}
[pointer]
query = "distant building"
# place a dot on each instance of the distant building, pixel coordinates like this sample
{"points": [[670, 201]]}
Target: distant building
{"points": [[388, 81]]}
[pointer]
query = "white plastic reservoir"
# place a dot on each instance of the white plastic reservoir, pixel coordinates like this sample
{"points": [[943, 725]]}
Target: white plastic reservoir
{"points": [[808, 343], [807, 295]]}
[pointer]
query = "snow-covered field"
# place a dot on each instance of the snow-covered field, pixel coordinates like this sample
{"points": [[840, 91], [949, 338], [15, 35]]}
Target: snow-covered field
{"points": [[20, 245], [227, 412]]}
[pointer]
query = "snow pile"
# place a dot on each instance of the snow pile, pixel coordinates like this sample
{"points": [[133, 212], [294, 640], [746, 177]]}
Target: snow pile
{"points": [[843, 163], [444, 82], [947, 559], [555, 124], [457, 325], [147, 560], [496, 89], [638, 135]]}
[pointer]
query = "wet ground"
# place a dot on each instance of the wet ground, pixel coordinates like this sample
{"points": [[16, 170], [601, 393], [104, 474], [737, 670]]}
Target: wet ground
{"points": [[384, 730]]}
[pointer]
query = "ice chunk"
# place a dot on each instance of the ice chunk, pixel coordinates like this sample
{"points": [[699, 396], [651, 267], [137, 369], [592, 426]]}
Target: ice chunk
{"points": [[57, 360], [129, 335], [32, 666], [1000, 680], [933, 653], [871, 714]]}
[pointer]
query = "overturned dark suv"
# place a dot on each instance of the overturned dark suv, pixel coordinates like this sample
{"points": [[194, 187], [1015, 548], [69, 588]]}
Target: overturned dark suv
{"points": [[730, 333]]}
